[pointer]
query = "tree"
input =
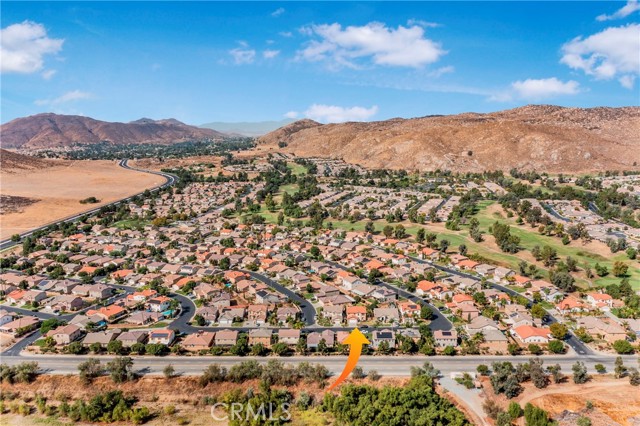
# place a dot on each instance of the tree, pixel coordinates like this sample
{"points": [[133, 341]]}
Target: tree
{"points": [[483, 369], [537, 374], [115, 347], [580, 374], [89, 370], [623, 347], [634, 377], [514, 410], [620, 370], [358, 373], [280, 349], [537, 311], [620, 269], [559, 331], [583, 421], [169, 371], [427, 370], [535, 416], [121, 369]]}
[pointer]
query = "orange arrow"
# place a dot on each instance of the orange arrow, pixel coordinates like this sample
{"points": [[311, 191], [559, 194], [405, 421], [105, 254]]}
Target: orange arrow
{"points": [[356, 339]]}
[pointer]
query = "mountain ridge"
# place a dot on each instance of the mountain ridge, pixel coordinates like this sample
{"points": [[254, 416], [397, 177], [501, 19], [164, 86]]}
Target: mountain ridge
{"points": [[541, 137], [49, 130]]}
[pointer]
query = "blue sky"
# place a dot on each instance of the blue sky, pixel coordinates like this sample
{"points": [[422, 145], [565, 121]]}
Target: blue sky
{"points": [[246, 61]]}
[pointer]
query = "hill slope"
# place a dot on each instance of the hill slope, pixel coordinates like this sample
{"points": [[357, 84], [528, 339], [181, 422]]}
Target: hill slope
{"points": [[53, 130], [11, 162], [544, 138]]}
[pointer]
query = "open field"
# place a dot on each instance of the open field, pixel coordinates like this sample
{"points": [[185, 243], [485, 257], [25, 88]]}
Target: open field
{"points": [[59, 189]]}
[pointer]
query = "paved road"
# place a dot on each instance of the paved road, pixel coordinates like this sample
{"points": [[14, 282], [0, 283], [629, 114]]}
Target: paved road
{"points": [[170, 180], [385, 365]]}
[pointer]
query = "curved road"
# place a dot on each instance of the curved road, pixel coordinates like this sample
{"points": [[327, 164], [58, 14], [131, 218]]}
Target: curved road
{"points": [[170, 180]]}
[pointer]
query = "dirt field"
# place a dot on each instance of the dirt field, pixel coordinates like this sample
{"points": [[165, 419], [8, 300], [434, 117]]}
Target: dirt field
{"points": [[59, 189], [614, 400]]}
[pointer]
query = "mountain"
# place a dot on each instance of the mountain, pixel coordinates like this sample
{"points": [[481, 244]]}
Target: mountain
{"points": [[247, 128], [541, 137], [53, 130]]}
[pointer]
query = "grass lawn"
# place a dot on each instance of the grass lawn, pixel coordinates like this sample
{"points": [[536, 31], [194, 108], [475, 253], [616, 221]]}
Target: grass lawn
{"points": [[529, 237], [297, 169], [131, 224]]}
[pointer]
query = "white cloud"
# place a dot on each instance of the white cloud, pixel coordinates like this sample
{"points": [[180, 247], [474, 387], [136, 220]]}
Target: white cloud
{"points": [[74, 95], [626, 10], [344, 47], [279, 11], [422, 23], [23, 47], [537, 89], [338, 114], [270, 54], [439, 72], [242, 55], [286, 34], [292, 114], [611, 53], [48, 74]]}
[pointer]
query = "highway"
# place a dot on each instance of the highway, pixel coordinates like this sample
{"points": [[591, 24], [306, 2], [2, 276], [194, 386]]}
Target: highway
{"points": [[170, 180], [385, 365]]}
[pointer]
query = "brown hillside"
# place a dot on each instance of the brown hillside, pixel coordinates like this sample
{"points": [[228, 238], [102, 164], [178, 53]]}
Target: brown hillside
{"points": [[53, 130], [11, 162], [544, 138]]}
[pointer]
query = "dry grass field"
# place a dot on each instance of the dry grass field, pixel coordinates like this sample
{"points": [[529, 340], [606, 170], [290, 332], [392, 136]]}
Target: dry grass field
{"points": [[55, 192]]}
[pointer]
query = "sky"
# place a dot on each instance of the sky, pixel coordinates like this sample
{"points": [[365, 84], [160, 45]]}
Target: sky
{"points": [[334, 61]]}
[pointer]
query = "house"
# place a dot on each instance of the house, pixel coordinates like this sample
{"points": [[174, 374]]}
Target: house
{"points": [[314, 339], [130, 338], [209, 313], [334, 313], [600, 300], [103, 338], [163, 337], [65, 334], [409, 311], [528, 334], [258, 314], [289, 336], [200, 341], [111, 313], [380, 336], [20, 326], [356, 314], [159, 303], [64, 303], [100, 291], [226, 338], [286, 312], [602, 328], [480, 324], [387, 315], [5, 317], [144, 318], [569, 305], [445, 338], [260, 335]]}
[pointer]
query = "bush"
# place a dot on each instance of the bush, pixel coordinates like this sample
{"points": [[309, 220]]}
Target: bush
{"points": [[358, 373], [213, 374], [601, 369], [25, 372], [556, 346], [623, 347], [373, 375]]}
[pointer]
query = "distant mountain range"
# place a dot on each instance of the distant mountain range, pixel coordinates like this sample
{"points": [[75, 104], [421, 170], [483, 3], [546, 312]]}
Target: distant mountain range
{"points": [[251, 129], [539, 137], [49, 130]]}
